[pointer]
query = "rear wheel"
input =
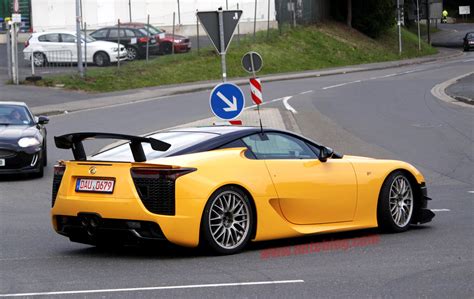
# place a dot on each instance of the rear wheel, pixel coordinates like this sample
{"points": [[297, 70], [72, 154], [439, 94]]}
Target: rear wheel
{"points": [[132, 53], [227, 221], [396, 203], [101, 59], [39, 59]]}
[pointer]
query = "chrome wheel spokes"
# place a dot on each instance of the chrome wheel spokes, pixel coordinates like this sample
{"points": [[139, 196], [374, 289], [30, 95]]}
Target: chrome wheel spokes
{"points": [[229, 219], [401, 201]]}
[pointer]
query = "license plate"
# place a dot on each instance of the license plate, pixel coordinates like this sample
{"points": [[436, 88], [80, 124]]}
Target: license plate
{"points": [[153, 41], [2, 162], [95, 185]]}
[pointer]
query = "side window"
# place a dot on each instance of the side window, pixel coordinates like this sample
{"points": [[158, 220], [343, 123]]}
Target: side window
{"points": [[51, 38], [278, 146], [100, 33], [68, 38], [113, 33], [129, 33]]}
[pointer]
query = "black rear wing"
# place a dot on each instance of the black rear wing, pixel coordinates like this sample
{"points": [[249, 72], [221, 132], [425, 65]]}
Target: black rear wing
{"points": [[74, 141]]}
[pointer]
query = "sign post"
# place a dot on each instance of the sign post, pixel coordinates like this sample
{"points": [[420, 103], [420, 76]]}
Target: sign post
{"points": [[220, 26]]}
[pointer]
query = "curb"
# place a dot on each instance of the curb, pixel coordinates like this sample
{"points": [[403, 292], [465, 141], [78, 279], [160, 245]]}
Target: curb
{"points": [[162, 92], [439, 91]]}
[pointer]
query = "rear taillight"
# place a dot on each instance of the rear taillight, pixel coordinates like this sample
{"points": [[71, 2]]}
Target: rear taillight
{"points": [[156, 187], [143, 39], [57, 178], [27, 43]]}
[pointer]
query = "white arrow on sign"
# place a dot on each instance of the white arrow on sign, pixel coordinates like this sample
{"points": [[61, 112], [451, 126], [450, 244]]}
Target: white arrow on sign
{"points": [[232, 105]]}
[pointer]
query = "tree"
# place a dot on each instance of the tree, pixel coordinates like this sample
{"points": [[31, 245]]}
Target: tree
{"points": [[373, 17]]}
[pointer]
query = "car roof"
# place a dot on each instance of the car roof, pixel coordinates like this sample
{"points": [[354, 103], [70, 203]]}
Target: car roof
{"points": [[54, 32], [14, 103], [219, 130]]}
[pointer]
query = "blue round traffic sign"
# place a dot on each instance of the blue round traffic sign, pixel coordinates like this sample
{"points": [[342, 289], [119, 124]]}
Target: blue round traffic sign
{"points": [[227, 101]]}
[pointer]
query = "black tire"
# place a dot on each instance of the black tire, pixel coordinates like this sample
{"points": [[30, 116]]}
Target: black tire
{"points": [[132, 53], [228, 230], [166, 48], [45, 155], [39, 59], [396, 206], [101, 59]]}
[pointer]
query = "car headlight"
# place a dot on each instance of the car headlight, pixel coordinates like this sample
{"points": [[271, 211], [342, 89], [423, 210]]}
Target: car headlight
{"points": [[28, 141], [178, 41], [114, 49]]}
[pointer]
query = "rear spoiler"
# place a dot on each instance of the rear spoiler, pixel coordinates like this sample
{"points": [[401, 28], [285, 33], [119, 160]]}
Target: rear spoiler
{"points": [[74, 141]]}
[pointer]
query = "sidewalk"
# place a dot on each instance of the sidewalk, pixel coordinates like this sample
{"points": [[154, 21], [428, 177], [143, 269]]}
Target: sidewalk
{"points": [[462, 90], [53, 101]]}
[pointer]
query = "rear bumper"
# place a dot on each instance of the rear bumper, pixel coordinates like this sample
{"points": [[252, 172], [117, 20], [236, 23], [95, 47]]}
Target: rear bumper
{"points": [[182, 48], [91, 228]]}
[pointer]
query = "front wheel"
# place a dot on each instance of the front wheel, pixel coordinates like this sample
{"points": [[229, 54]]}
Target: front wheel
{"points": [[101, 59], [396, 203], [227, 221]]}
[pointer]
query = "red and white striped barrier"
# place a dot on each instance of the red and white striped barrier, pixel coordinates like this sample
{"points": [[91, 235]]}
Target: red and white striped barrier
{"points": [[234, 122], [256, 90]]}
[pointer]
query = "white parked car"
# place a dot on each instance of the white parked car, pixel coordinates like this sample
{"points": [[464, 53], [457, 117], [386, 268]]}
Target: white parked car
{"points": [[61, 47]]}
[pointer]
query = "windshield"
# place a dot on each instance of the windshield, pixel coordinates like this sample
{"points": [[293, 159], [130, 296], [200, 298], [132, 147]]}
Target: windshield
{"points": [[15, 115], [88, 39], [154, 30], [178, 141]]}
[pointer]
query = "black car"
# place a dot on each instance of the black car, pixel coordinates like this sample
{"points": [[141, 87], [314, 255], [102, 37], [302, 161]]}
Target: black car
{"points": [[134, 39], [469, 41], [22, 140]]}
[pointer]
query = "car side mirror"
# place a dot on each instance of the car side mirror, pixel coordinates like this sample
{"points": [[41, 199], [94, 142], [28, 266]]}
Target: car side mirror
{"points": [[43, 120], [325, 153]]}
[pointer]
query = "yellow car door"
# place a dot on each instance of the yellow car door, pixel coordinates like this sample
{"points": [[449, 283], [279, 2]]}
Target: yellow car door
{"points": [[309, 191]]}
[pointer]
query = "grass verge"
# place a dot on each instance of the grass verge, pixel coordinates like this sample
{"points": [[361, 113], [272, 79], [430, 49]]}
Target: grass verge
{"points": [[299, 49]]}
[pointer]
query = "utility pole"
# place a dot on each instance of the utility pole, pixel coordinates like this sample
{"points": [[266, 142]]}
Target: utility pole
{"points": [[428, 20], [399, 24], [130, 10], [80, 67], [418, 23]]}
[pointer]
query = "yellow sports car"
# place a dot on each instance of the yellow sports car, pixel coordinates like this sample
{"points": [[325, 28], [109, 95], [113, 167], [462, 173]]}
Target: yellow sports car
{"points": [[223, 186]]}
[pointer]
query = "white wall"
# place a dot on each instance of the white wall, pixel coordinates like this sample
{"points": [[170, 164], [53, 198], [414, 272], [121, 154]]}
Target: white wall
{"points": [[60, 14]]}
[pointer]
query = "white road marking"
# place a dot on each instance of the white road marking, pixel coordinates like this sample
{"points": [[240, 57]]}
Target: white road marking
{"points": [[468, 60], [333, 86], [288, 106], [192, 286], [342, 84], [440, 210], [389, 75], [306, 92], [472, 192]]}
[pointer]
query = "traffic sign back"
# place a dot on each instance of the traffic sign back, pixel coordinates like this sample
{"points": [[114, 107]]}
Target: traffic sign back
{"points": [[227, 101], [210, 22]]}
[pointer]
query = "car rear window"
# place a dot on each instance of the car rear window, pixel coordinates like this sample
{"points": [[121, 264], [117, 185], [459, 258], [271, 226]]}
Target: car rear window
{"points": [[178, 141]]}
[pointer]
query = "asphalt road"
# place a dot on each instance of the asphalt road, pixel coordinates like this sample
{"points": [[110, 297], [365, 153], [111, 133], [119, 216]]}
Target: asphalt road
{"points": [[387, 113]]}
